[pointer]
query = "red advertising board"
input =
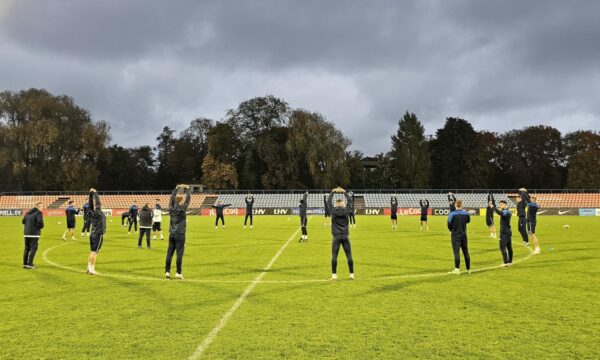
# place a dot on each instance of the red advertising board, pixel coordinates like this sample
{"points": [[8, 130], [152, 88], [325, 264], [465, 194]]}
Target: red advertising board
{"points": [[226, 211], [406, 211]]}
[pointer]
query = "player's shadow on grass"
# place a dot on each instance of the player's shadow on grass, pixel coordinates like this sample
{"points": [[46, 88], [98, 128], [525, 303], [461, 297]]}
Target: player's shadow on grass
{"points": [[402, 284]]}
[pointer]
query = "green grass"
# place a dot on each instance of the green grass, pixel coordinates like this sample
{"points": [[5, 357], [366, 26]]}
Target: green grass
{"points": [[544, 307]]}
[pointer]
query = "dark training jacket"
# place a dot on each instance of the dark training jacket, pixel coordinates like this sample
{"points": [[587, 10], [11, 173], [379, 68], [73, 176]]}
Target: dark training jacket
{"points": [[33, 223], [249, 204], [178, 214], [457, 222], [339, 217], [424, 206], [505, 216], [98, 217], [219, 208], [303, 205], [146, 215]]}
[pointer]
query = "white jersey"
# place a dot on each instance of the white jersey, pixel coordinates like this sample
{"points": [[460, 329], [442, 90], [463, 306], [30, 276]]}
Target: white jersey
{"points": [[157, 217]]}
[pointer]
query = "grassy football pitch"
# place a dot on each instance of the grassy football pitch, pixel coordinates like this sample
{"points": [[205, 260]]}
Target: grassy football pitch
{"points": [[401, 305]]}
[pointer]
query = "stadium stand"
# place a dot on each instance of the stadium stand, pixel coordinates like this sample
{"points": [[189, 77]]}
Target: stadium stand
{"points": [[290, 200]]}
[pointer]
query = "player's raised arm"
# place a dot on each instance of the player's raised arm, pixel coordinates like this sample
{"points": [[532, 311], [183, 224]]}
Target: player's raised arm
{"points": [[188, 197]]}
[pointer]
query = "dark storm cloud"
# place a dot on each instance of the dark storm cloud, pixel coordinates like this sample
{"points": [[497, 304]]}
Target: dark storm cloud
{"points": [[145, 64]]}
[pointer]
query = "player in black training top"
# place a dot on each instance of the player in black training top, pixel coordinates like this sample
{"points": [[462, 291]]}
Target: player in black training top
{"points": [[532, 209], [352, 215], [33, 223], [489, 216], [70, 213], [457, 224], [327, 211], [505, 231], [133, 217], [87, 220], [98, 230], [451, 201], [424, 204], [522, 214], [394, 212], [302, 205], [125, 216], [249, 204], [219, 207], [178, 218], [339, 230]]}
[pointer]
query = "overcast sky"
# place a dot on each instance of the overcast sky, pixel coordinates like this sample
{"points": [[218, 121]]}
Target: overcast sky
{"points": [[141, 65]]}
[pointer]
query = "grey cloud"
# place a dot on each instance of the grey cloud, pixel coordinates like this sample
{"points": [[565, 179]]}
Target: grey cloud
{"points": [[142, 65]]}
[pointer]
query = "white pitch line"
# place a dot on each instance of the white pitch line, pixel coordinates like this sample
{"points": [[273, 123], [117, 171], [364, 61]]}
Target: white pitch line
{"points": [[221, 324]]}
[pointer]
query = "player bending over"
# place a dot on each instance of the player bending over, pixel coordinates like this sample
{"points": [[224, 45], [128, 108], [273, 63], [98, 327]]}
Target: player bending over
{"points": [[70, 213], [457, 224], [394, 212], [339, 230], [424, 203], [303, 217], [145, 225], [489, 216], [177, 212], [133, 217], [157, 221], [98, 230], [532, 209], [125, 216], [219, 207], [33, 223], [505, 231], [249, 205]]}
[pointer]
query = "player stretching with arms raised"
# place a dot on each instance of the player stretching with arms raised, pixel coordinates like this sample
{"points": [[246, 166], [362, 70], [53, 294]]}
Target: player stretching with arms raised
{"points": [[351, 214], [457, 224], [339, 230], [451, 201], [394, 212], [249, 205], [327, 211], [522, 213], [87, 220], [98, 230], [505, 231], [178, 217], [532, 209], [424, 203], [219, 208]]}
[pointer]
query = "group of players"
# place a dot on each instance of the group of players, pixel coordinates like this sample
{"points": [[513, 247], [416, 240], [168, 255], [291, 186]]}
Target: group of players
{"points": [[340, 217]]}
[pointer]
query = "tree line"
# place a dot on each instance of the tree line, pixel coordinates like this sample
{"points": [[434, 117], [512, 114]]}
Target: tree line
{"points": [[48, 142]]}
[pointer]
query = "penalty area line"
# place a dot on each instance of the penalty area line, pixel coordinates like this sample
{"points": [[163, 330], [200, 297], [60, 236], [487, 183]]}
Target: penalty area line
{"points": [[223, 321]]}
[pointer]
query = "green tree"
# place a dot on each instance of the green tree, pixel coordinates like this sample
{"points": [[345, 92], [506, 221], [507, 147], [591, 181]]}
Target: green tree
{"points": [[582, 151], [218, 175], [410, 154], [315, 145], [48, 142], [453, 161]]}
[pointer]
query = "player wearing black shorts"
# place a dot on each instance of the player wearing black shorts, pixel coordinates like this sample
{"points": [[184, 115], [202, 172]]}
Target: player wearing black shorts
{"points": [[457, 224], [505, 231], [98, 230], [489, 216], [394, 212], [33, 223], [339, 230], [424, 203], [532, 209], [157, 220], [177, 227], [70, 213], [249, 208], [302, 209]]}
